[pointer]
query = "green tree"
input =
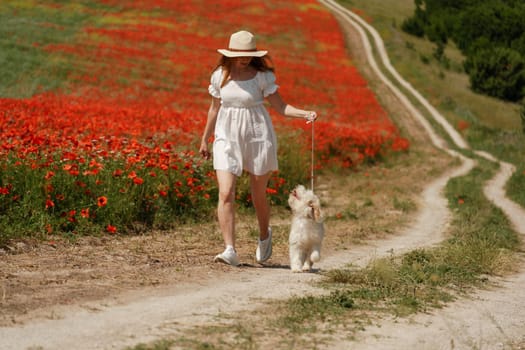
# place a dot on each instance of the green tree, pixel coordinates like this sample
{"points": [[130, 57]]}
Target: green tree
{"points": [[498, 72], [519, 44], [494, 20], [416, 24], [490, 33]]}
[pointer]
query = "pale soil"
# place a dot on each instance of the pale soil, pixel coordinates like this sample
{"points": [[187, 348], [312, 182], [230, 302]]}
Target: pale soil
{"points": [[111, 292]]}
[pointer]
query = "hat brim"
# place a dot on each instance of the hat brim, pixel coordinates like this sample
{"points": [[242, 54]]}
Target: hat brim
{"points": [[229, 53]]}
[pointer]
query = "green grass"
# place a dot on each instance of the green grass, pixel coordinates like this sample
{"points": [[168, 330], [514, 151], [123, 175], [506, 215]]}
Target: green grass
{"points": [[25, 68], [304, 314], [515, 186], [26, 28]]}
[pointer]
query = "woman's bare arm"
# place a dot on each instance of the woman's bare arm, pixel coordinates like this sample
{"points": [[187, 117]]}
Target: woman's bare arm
{"points": [[213, 111], [287, 110]]}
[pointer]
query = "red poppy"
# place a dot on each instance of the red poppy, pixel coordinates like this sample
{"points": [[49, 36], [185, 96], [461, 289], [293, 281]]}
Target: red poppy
{"points": [[271, 191], [85, 213], [49, 175], [111, 229], [74, 172], [49, 203], [102, 201], [80, 184], [49, 188], [463, 125]]}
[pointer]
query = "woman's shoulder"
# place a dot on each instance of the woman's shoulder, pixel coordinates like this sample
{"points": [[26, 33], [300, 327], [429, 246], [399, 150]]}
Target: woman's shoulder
{"points": [[266, 75], [266, 80], [216, 75], [217, 71], [266, 72]]}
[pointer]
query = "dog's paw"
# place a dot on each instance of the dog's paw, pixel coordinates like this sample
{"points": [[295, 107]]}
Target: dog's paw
{"points": [[315, 256], [296, 268]]}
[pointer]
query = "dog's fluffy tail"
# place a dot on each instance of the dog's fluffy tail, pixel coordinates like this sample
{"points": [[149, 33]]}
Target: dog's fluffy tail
{"points": [[314, 257]]}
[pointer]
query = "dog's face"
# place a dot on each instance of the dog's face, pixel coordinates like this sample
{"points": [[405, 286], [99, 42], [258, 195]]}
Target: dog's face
{"points": [[305, 203]]}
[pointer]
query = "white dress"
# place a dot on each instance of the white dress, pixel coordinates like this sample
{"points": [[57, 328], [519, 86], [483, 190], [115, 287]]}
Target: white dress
{"points": [[244, 134]]}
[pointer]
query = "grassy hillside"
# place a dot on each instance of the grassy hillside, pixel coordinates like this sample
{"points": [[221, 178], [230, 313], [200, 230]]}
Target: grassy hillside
{"points": [[486, 123], [447, 88]]}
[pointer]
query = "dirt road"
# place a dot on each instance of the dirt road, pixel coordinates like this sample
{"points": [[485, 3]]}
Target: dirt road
{"points": [[491, 319]]}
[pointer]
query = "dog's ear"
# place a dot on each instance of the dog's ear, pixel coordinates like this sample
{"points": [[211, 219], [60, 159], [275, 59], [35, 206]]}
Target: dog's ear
{"points": [[315, 212], [318, 216]]}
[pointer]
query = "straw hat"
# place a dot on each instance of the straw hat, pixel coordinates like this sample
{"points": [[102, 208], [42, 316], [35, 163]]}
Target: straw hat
{"points": [[242, 44]]}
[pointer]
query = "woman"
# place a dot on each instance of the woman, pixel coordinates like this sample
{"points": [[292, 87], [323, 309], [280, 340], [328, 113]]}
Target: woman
{"points": [[244, 135]]}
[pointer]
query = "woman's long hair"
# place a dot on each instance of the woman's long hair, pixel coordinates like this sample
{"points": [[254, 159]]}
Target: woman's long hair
{"points": [[262, 64]]}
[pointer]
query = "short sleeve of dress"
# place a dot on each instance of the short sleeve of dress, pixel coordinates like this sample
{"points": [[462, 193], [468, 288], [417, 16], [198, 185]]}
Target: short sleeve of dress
{"points": [[215, 83], [268, 83]]}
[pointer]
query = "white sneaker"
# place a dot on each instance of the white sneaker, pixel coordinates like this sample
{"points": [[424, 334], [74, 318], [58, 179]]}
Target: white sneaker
{"points": [[264, 248], [228, 256]]}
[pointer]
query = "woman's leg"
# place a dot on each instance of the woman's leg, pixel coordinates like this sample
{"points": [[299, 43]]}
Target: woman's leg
{"points": [[258, 186], [226, 206]]}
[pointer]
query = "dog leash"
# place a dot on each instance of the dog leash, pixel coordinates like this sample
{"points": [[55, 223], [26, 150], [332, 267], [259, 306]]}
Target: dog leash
{"points": [[312, 155]]}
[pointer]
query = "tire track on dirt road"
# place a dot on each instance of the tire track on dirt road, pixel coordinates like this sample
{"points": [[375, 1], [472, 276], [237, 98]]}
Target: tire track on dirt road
{"points": [[490, 319]]}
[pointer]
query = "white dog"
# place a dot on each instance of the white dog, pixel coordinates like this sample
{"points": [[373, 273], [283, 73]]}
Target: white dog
{"points": [[307, 230]]}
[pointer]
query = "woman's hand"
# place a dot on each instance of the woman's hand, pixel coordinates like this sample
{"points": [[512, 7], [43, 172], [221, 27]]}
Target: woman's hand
{"points": [[310, 116], [205, 153]]}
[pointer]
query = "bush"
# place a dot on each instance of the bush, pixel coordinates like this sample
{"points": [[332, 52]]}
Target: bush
{"points": [[498, 72], [413, 26]]}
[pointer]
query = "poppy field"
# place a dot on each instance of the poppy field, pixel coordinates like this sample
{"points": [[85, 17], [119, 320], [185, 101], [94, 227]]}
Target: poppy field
{"points": [[104, 102]]}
